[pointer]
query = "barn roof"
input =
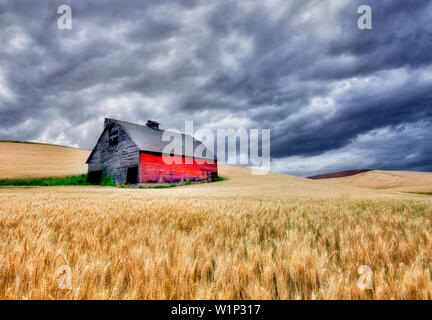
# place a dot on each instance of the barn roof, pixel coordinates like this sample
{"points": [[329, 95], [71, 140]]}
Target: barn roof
{"points": [[150, 140]]}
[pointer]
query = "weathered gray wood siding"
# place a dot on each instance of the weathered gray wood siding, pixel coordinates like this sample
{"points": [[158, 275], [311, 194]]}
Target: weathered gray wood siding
{"points": [[114, 161]]}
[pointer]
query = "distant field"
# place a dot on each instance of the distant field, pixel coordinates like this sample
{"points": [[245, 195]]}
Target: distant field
{"points": [[394, 180], [339, 174], [248, 237], [32, 160]]}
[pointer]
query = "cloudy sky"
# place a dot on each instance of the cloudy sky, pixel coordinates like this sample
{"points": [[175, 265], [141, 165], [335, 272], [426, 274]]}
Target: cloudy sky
{"points": [[335, 97]]}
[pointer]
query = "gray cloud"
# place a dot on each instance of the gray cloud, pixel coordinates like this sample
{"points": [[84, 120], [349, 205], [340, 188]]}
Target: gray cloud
{"points": [[301, 68]]}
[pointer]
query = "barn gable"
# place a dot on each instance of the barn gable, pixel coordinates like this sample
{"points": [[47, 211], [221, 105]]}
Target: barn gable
{"points": [[113, 160]]}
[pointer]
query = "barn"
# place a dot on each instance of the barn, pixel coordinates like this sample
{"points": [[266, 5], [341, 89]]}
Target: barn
{"points": [[133, 154]]}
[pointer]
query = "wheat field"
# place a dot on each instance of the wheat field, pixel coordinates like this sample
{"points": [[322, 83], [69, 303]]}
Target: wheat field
{"points": [[249, 237]]}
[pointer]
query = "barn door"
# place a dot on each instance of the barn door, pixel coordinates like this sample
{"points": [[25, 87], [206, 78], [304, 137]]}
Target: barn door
{"points": [[94, 177], [132, 175], [214, 176]]}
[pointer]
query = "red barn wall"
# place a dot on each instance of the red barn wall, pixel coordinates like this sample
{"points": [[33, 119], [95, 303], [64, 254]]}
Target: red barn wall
{"points": [[154, 169]]}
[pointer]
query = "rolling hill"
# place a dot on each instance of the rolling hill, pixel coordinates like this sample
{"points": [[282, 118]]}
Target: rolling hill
{"points": [[339, 174], [34, 160], [408, 181]]}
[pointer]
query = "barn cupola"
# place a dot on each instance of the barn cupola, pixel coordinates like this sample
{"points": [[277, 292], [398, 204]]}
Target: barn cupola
{"points": [[153, 124]]}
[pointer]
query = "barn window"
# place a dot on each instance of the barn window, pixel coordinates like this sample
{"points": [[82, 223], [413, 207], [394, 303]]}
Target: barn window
{"points": [[113, 137]]}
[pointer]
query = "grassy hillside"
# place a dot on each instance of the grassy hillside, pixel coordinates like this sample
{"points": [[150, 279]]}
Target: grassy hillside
{"points": [[33, 160]]}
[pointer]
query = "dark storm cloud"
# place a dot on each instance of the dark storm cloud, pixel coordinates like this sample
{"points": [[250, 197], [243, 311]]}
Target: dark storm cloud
{"points": [[301, 68], [403, 147]]}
